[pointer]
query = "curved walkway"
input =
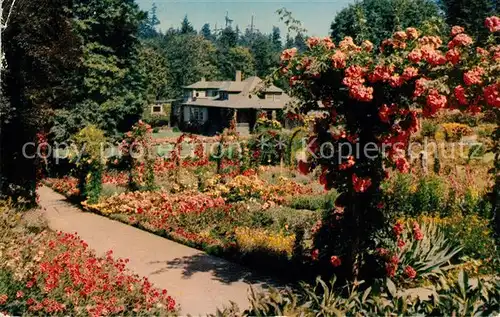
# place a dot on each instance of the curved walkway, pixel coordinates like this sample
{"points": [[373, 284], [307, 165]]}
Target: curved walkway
{"points": [[200, 283]]}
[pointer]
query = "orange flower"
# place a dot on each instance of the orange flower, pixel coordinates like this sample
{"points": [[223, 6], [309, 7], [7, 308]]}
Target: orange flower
{"points": [[335, 261], [361, 185]]}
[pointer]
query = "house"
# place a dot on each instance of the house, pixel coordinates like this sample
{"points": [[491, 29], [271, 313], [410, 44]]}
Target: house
{"points": [[210, 106]]}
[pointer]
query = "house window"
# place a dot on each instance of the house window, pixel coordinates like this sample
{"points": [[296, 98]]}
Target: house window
{"points": [[197, 114], [157, 109]]}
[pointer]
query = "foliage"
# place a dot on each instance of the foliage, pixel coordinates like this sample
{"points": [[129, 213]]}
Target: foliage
{"points": [[470, 14], [252, 240], [459, 297], [417, 252], [455, 131], [89, 161], [429, 128], [110, 86], [154, 67], [38, 50], [376, 20], [138, 156]]}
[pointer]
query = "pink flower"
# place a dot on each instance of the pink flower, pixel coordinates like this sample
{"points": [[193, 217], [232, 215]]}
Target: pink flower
{"points": [[493, 23], [453, 56], [417, 233], [456, 30], [313, 41], [401, 243], [474, 76], [3, 299], [339, 59], [398, 228], [460, 95], [19, 294]]}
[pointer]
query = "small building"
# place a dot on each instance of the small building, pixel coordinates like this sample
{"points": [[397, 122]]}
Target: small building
{"points": [[210, 106]]}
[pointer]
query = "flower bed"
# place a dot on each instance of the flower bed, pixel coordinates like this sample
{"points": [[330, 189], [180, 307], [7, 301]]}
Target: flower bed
{"points": [[57, 274]]}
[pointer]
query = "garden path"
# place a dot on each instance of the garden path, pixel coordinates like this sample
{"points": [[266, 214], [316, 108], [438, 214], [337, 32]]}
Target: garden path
{"points": [[200, 283]]}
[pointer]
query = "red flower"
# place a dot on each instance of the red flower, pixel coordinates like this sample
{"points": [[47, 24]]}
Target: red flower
{"points": [[493, 24], [402, 165], [435, 101], [315, 254], [384, 113], [473, 77], [460, 40], [19, 294], [415, 56], [361, 185], [335, 261], [417, 233], [401, 243], [410, 272], [398, 229], [390, 269], [3, 299], [339, 59], [410, 73], [350, 163], [492, 95], [453, 56], [460, 95], [288, 54], [456, 30], [313, 41]]}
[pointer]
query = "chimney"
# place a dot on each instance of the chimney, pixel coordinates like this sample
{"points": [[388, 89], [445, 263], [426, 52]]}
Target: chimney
{"points": [[203, 79], [238, 75]]}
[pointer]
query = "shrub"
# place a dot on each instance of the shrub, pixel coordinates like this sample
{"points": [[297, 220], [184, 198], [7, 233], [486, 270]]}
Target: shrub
{"points": [[429, 128], [313, 202], [455, 131], [252, 239]]}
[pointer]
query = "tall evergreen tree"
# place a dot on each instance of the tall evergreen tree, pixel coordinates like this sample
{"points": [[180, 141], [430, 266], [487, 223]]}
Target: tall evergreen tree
{"points": [[276, 38], [186, 27], [227, 39], [147, 28], [206, 32]]}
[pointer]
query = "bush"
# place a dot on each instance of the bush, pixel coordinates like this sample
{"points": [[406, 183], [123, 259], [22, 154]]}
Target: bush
{"points": [[429, 128], [313, 202], [455, 131]]}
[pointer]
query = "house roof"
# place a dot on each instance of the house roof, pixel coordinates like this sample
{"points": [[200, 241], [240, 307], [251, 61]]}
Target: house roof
{"points": [[245, 87], [241, 103], [206, 85]]}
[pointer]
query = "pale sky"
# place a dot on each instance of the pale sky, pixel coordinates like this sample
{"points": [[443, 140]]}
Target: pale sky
{"points": [[316, 16]]}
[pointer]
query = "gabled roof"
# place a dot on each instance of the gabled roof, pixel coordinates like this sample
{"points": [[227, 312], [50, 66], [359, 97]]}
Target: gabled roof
{"points": [[245, 87]]}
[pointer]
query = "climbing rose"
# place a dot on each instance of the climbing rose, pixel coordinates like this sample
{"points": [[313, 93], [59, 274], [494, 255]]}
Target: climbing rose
{"points": [[327, 41], [361, 185], [456, 30], [335, 260], [493, 23], [460, 40], [400, 36], [384, 113], [410, 73], [453, 56], [460, 95], [288, 54], [367, 46], [410, 272], [338, 59], [313, 41], [412, 33], [473, 77], [3, 299], [402, 165], [435, 101], [492, 95], [415, 56]]}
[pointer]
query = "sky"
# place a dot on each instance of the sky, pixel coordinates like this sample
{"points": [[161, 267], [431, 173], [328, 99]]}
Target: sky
{"points": [[316, 15]]}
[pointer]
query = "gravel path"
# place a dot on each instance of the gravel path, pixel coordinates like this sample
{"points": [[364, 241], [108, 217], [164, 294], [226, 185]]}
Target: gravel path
{"points": [[200, 283]]}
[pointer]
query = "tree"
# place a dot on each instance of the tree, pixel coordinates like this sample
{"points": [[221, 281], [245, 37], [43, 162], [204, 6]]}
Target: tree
{"points": [[469, 14], [276, 39], [147, 28], [237, 58], [189, 58], [227, 39], [41, 52], [375, 20], [153, 64], [266, 58], [206, 32], [300, 42], [111, 88], [186, 27]]}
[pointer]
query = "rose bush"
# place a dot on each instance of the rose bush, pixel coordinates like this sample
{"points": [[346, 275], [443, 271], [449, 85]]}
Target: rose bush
{"points": [[371, 99]]}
